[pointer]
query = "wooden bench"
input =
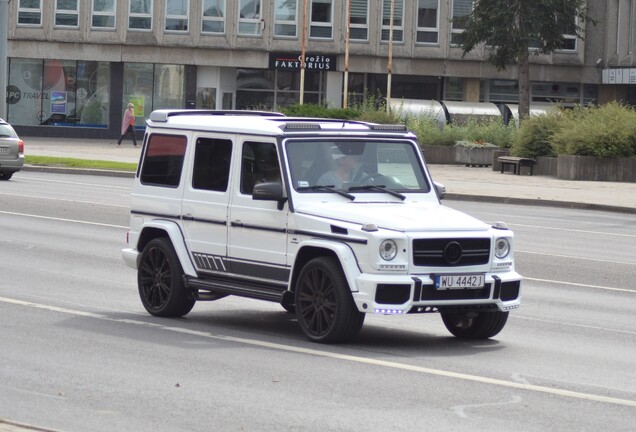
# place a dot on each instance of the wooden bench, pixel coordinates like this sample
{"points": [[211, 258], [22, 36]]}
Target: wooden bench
{"points": [[516, 163]]}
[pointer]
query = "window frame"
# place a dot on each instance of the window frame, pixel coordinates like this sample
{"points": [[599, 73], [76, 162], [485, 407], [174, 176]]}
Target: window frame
{"points": [[181, 18], [28, 10], [364, 26], [387, 27], [321, 24], [278, 22], [214, 19], [422, 29], [255, 22], [112, 14], [140, 16], [70, 13], [454, 30]]}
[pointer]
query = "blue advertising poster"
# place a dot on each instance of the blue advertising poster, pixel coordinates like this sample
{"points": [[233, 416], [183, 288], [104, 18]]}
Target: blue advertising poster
{"points": [[58, 102]]}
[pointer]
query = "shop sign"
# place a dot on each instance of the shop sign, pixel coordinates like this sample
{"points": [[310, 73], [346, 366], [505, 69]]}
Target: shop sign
{"points": [[292, 61]]}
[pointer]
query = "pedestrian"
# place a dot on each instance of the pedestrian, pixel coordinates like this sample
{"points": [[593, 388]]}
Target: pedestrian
{"points": [[128, 124]]}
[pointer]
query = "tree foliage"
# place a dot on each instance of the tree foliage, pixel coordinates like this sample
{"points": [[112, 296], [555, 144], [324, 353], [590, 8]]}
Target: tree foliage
{"points": [[511, 29]]}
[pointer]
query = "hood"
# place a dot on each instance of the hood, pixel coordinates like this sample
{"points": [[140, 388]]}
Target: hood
{"points": [[399, 216]]}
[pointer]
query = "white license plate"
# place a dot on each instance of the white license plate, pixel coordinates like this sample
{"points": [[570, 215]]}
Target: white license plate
{"points": [[4, 150], [465, 281]]}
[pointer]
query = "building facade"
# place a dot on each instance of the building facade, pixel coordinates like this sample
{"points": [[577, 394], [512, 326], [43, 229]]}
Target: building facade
{"points": [[73, 65]]}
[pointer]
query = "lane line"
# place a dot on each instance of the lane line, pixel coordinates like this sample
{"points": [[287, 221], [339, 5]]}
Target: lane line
{"points": [[573, 230], [576, 257], [337, 356], [98, 185], [63, 220], [65, 200], [581, 285], [517, 316]]}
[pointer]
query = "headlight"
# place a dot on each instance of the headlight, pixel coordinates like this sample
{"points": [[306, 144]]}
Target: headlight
{"points": [[502, 247], [388, 250]]}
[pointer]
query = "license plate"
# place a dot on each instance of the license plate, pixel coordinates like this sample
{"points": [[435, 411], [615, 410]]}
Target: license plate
{"points": [[465, 281], [4, 150]]}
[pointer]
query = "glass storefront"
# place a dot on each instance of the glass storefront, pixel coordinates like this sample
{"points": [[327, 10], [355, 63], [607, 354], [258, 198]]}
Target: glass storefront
{"points": [[264, 88], [58, 93], [152, 86]]}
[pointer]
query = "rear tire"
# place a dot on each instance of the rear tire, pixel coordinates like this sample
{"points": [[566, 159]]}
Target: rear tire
{"points": [[160, 281], [324, 305], [5, 175], [474, 325]]}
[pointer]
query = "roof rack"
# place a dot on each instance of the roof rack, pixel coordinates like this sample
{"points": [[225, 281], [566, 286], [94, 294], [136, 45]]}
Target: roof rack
{"points": [[163, 115]]}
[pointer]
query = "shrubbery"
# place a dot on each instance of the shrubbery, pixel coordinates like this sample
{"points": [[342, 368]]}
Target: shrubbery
{"points": [[605, 131]]}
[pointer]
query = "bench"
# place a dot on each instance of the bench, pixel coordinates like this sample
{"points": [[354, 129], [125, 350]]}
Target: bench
{"points": [[516, 163]]}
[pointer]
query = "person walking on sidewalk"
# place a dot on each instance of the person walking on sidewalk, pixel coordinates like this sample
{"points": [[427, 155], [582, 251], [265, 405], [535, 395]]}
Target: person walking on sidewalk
{"points": [[128, 124]]}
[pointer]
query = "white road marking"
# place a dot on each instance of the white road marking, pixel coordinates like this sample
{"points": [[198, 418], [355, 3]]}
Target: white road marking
{"points": [[459, 409], [335, 356], [48, 180], [39, 197], [32, 392], [573, 230], [576, 257], [581, 285], [63, 220], [561, 323]]}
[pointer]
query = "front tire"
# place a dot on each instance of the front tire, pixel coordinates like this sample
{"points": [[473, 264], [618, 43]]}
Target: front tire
{"points": [[324, 306], [474, 325], [160, 281]]}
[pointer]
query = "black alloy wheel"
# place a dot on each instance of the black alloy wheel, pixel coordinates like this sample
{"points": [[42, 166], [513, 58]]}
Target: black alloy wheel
{"points": [[324, 305], [160, 281]]}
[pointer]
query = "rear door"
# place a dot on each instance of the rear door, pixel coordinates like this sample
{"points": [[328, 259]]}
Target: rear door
{"points": [[205, 202]]}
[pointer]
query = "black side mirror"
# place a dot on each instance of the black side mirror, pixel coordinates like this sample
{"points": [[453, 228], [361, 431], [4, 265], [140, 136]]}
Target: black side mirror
{"points": [[272, 191]]}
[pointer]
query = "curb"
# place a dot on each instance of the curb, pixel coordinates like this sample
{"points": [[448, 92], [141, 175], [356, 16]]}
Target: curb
{"points": [[85, 171]]}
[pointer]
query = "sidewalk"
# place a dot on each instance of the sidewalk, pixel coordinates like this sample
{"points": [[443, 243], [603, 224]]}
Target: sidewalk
{"points": [[465, 183]]}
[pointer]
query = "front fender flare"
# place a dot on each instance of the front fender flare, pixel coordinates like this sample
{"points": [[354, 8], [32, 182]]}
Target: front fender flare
{"points": [[174, 233]]}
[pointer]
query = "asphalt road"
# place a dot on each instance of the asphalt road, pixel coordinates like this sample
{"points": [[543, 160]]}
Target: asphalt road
{"points": [[79, 353]]}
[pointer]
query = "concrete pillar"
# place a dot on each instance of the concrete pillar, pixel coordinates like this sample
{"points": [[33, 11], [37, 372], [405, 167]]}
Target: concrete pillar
{"points": [[333, 92]]}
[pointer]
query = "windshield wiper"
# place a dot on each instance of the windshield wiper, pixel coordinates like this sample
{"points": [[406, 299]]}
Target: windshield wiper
{"points": [[381, 188], [330, 188]]}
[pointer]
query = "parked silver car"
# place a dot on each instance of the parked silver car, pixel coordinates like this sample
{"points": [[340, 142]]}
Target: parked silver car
{"points": [[11, 151]]}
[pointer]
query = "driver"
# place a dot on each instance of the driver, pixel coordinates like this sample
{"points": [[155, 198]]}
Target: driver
{"points": [[345, 169]]}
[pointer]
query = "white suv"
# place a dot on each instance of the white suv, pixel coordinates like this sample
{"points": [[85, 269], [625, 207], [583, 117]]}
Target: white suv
{"points": [[332, 219]]}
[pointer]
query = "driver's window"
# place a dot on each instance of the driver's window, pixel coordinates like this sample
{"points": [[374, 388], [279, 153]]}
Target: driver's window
{"points": [[259, 164]]}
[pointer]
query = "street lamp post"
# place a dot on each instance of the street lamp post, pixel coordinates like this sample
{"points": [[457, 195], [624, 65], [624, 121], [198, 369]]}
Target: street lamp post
{"points": [[4, 24]]}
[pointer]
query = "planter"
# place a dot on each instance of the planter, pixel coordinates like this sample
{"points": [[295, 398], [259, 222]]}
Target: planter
{"points": [[439, 154], [476, 156], [597, 169]]}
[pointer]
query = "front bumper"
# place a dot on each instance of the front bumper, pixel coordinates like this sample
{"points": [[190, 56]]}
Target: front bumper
{"points": [[401, 294], [131, 257]]}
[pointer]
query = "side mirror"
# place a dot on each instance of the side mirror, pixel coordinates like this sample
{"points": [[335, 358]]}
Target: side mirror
{"points": [[440, 189], [272, 191]]}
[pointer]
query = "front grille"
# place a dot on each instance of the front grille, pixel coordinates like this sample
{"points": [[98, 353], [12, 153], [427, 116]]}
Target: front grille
{"points": [[453, 252]]}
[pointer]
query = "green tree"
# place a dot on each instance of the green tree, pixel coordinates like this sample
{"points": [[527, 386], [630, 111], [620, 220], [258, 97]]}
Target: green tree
{"points": [[511, 29]]}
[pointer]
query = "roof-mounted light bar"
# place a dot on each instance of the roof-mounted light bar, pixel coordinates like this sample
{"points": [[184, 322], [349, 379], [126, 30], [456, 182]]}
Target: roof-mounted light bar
{"points": [[388, 127], [300, 126]]}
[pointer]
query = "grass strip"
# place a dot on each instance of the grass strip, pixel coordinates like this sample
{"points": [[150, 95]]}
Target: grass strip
{"points": [[79, 163]]}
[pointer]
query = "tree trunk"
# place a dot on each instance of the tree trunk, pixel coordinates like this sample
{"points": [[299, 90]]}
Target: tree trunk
{"points": [[524, 84]]}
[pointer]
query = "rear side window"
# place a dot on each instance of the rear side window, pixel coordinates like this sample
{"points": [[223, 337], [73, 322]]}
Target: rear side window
{"points": [[7, 131], [163, 162], [212, 164]]}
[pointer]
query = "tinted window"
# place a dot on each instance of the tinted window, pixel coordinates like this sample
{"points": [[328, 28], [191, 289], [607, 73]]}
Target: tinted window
{"points": [[259, 164], [163, 162], [212, 164]]}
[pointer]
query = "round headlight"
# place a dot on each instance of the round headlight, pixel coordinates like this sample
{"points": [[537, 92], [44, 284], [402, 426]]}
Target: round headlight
{"points": [[388, 250], [502, 247]]}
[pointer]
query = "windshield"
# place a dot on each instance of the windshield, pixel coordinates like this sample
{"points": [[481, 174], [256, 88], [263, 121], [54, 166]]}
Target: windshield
{"points": [[348, 165]]}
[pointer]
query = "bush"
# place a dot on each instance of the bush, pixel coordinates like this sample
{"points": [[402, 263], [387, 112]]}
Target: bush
{"points": [[319, 111], [608, 131], [534, 137]]}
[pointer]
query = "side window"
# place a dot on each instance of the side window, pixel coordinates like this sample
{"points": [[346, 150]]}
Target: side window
{"points": [[212, 164], [163, 161], [259, 164]]}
